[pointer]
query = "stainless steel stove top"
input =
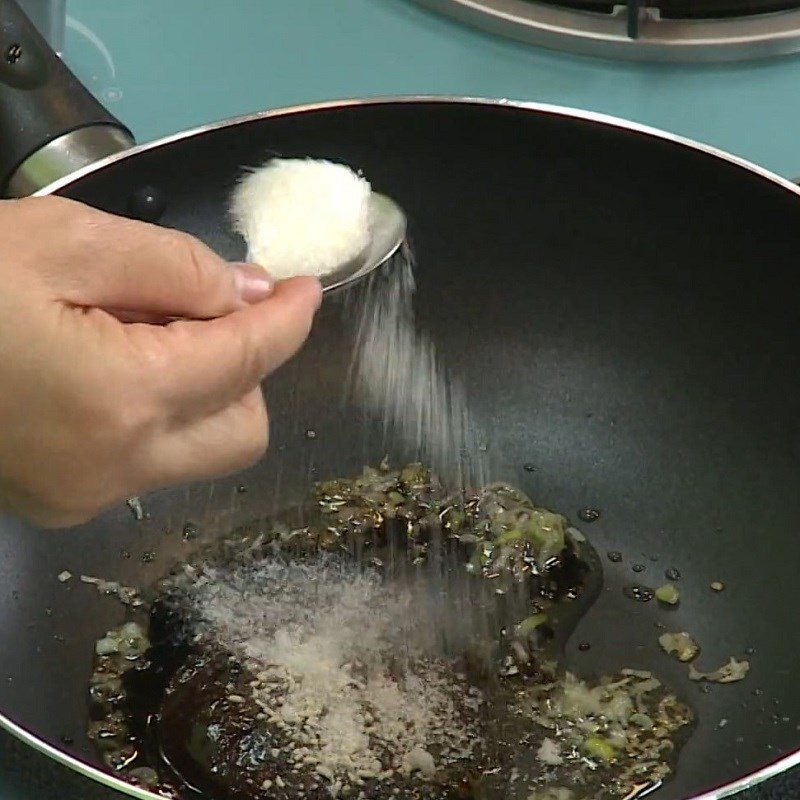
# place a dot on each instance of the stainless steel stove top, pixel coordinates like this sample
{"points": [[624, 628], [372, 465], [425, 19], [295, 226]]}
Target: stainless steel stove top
{"points": [[637, 29]]}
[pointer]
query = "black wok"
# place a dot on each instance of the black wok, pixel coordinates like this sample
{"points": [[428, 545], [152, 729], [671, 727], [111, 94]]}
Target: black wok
{"points": [[620, 304]]}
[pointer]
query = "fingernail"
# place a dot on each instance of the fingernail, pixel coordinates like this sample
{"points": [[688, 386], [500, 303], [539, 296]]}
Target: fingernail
{"points": [[253, 283], [319, 296]]}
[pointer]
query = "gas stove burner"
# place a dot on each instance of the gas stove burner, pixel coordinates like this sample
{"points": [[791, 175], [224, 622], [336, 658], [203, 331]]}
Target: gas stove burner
{"points": [[641, 30], [685, 9]]}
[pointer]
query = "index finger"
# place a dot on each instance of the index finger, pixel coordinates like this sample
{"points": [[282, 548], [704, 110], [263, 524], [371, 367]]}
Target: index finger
{"points": [[137, 270]]}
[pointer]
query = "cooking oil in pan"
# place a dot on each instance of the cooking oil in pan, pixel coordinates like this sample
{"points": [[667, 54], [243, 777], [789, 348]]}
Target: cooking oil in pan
{"points": [[393, 639], [404, 643]]}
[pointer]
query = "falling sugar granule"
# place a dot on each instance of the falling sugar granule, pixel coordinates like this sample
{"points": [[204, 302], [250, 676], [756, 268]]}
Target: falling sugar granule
{"points": [[398, 375]]}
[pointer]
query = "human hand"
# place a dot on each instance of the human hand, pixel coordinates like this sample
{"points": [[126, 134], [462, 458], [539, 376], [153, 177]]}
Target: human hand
{"points": [[101, 397]]}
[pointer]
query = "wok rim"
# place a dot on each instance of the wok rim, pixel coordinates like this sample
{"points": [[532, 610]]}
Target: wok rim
{"points": [[770, 770]]}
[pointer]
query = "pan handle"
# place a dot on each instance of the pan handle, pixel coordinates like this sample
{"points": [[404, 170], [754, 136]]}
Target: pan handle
{"points": [[50, 124]]}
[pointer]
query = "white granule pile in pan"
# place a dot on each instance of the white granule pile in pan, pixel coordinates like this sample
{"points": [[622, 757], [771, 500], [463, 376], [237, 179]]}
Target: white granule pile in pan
{"points": [[302, 216], [334, 666]]}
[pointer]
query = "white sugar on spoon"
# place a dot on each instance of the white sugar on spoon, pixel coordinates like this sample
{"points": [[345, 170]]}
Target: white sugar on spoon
{"points": [[313, 217]]}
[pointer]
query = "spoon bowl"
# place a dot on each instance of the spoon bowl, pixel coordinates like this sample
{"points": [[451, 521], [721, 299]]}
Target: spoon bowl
{"points": [[387, 230]]}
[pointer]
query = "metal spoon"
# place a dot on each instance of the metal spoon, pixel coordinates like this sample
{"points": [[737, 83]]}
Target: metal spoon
{"points": [[387, 230]]}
